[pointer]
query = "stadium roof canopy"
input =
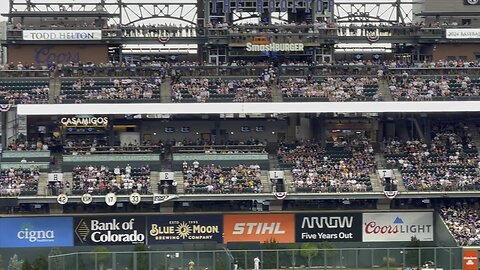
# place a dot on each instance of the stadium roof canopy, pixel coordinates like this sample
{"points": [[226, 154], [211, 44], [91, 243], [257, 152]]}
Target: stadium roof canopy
{"points": [[254, 107]]}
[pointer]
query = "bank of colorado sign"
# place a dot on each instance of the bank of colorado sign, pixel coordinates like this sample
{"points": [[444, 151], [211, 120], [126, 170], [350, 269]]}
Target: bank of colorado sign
{"points": [[95, 231], [331, 227], [49, 35], [397, 226]]}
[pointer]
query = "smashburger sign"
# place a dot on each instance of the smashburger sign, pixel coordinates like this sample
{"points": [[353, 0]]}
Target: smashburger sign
{"points": [[109, 230], [397, 226]]}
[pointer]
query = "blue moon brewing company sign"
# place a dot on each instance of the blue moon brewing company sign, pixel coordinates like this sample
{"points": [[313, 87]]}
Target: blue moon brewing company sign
{"points": [[96, 231], [187, 228]]}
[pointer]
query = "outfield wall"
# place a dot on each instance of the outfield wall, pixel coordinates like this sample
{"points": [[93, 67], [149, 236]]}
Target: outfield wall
{"points": [[283, 228]]}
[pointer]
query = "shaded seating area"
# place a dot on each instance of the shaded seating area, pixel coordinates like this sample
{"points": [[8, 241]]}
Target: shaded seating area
{"points": [[117, 90], [102, 179], [331, 89], [337, 167], [216, 179], [448, 163], [19, 181], [24, 91]]}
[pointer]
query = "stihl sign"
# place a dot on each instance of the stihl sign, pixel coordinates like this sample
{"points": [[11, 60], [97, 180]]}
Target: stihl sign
{"points": [[259, 228]]}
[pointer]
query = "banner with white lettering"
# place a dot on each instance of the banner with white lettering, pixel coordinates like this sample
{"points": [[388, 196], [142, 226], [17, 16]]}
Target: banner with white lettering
{"points": [[331, 227], [62, 35], [178, 229], [55, 177], [276, 174], [167, 176], [96, 231], [463, 33], [160, 198], [397, 226]]}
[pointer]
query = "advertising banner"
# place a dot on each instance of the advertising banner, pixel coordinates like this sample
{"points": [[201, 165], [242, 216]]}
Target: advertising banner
{"points": [[331, 227], [55, 177], [397, 226], [62, 35], [101, 230], [470, 259], [184, 228], [58, 53], [36, 232], [259, 228], [466, 33]]}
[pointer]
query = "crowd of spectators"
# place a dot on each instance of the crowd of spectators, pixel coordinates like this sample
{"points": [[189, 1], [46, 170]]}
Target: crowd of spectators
{"points": [[15, 182], [104, 179], [125, 89], [21, 144], [340, 166], [243, 90], [34, 95], [217, 179], [89, 146], [160, 30], [414, 88], [463, 222], [448, 163], [332, 89]]}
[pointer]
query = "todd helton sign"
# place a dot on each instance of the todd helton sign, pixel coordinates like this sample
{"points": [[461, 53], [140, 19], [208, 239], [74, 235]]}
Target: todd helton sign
{"points": [[187, 228], [331, 227], [97, 231]]}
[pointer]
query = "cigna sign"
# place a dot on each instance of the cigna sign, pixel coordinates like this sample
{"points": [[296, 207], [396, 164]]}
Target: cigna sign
{"points": [[36, 232], [84, 121]]}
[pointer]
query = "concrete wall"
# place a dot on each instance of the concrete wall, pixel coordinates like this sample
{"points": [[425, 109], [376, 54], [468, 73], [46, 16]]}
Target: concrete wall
{"points": [[443, 51], [42, 54], [232, 127]]}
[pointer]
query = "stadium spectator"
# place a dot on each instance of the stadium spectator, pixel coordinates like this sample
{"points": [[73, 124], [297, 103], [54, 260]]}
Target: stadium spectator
{"points": [[463, 222], [448, 163], [36, 95], [341, 166], [218, 179], [419, 88], [103, 179], [332, 89], [14, 182], [21, 144], [114, 89]]}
